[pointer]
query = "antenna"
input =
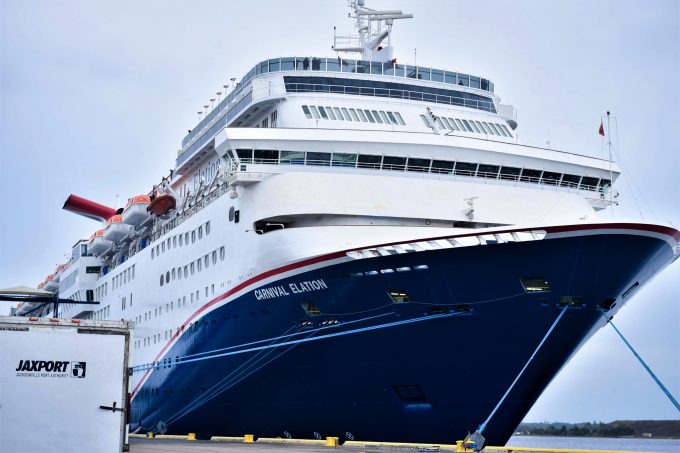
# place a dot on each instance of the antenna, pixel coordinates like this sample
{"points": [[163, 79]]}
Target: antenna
{"points": [[373, 28]]}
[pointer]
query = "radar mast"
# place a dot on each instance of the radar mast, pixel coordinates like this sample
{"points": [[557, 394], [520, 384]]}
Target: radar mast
{"points": [[374, 39]]}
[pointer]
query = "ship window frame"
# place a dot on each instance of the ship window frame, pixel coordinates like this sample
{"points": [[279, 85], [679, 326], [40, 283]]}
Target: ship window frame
{"points": [[466, 171], [345, 113], [400, 119], [338, 114], [384, 116], [369, 116], [222, 253], [181, 237], [315, 112], [353, 113], [331, 115], [199, 265], [370, 161], [376, 115], [418, 168], [321, 162], [394, 165], [307, 112], [214, 257], [513, 175], [322, 112], [442, 166], [200, 232], [362, 116], [535, 284]]}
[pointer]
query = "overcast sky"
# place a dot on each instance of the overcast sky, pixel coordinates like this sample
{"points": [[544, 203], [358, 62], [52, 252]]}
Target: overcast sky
{"points": [[96, 96]]}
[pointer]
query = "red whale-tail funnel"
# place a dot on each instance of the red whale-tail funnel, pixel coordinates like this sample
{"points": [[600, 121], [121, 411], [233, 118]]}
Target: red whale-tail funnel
{"points": [[89, 209]]}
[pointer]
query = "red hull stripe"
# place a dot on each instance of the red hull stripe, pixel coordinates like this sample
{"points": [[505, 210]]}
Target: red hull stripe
{"points": [[341, 254]]}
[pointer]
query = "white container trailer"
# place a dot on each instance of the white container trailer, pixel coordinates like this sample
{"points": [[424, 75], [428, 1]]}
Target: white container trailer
{"points": [[63, 385]]}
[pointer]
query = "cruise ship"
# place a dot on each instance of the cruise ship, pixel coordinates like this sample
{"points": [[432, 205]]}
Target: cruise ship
{"points": [[360, 248]]}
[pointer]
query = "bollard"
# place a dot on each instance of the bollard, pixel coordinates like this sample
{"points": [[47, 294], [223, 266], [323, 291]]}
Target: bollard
{"points": [[332, 441], [149, 434], [249, 438], [191, 436]]}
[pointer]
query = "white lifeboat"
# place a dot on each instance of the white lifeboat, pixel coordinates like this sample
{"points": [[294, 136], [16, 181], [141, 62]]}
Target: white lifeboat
{"points": [[135, 211], [50, 284], [115, 229], [98, 244]]}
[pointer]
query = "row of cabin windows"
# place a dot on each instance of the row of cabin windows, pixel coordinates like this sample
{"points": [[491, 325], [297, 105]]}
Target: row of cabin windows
{"points": [[180, 239], [169, 307], [347, 114], [179, 272], [414, 164], [123, 277], [102, 313], [473, 126]]}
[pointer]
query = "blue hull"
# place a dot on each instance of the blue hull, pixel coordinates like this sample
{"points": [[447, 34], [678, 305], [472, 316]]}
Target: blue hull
{"points": [[427, 370]]}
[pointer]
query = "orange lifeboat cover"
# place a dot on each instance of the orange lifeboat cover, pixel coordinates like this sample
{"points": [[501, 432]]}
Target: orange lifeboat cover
{"points": [[114, 219], [162, 204], [138, 199]]}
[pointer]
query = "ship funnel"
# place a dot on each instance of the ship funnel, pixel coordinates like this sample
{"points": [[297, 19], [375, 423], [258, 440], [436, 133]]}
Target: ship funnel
{"points": [[87, 208]]}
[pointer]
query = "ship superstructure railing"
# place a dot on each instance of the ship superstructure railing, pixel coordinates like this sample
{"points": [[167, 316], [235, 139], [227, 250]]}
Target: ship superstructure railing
{"points": [[390, 93], [345, 66], [430, 166]]}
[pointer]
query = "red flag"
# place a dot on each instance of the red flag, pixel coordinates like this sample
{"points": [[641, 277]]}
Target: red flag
{"points": [[601, 131]]}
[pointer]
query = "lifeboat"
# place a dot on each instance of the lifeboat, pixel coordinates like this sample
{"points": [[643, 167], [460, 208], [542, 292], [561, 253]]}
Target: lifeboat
{"points": [[162, 204], [115, 229], [135, 211], [51, 284], [98, 244]]}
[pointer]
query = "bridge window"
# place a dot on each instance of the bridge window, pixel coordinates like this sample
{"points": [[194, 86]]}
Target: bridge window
{"points": [[308, 114], [589, 183], [535, 284], [293, 157], [344, 160], [488, 171], [510, 173], [369, 161], [465, 168], [419, 165], [323, 159], [529, 175], [394, 163], [570, 180], [442, 166]]}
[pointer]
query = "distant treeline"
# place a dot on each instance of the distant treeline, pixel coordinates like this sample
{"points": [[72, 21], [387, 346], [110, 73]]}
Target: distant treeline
{"points": [[619, 428]]}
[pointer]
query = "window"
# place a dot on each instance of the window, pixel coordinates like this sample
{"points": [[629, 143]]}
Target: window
{"points": [[180, 240], [162, 280], [292, 158], [588, 182], [186, 238], [570, 180], [222, 252], [186, 272], [384, 117], [420, 165], [199, 265], [467, 126], [400, 120], [529, 175], [535, 284], [163, 246], [345, 113], [338, 114], [362, 115], [488, 171], [200, 232], [167, 277], [322, 159], [152, 253], [193, 236], [510, 173], [331, 115], [369, 161], [174, 241], [315, 112], [206, 261], [323, 113], [398, 296], [487, 129], [214, 257], [376, 116], [191, 266], [353, 113], [173, 273], [344, 160], [465, 168], [369, 116], [394, 163], [310, 308]]}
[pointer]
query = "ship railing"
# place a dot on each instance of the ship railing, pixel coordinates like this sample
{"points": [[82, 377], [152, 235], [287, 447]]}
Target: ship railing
{"points": [[390, 93]]}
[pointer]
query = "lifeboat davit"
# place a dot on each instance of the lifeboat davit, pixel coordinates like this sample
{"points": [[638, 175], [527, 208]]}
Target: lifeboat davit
{"points": [[115, 229], [50, 284], [162, 204], [135, 211], [98, 244]]}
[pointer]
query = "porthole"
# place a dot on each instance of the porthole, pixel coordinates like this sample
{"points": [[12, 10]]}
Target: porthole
{"points": [[193, 236], [180, 239], [199, 265], [174, 241], [152, 253], [163, 247], [167, 277], [192, 268], [162, 280], [207, 228], [206, 261], [157, 250], [200, 232], [179, 273], [186, 238], [222, 253], [169, 243], [186, 272], [214, 257], [231, 214], [174, 274]]}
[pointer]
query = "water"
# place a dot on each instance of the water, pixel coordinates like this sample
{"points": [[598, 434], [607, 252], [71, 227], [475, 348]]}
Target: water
{"points": [[597, 443]]}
